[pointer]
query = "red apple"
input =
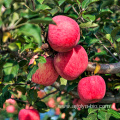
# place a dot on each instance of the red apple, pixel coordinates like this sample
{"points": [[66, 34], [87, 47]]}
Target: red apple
{"points": [[46, 74], [10, 109], [10, 101], [51, 103], [41, 93], [65, 35], [91, 89], [57, 111], [71, 64], [62, 103], [63, 115], [28, 114], [58, 99]]}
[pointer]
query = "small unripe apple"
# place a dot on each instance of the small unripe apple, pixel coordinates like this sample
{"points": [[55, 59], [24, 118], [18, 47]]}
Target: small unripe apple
{"points": [[51, 103], [10, 109], [46, 74], [58, 99], [28, 114], [91, 89], [71, 64], [57, 111], [65, 35]]}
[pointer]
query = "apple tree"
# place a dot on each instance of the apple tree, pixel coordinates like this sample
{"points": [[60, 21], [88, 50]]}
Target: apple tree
{"points": [[31, 45]]}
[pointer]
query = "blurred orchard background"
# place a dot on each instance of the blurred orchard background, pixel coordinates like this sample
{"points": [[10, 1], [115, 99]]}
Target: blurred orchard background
{"points": [[23, 34]]}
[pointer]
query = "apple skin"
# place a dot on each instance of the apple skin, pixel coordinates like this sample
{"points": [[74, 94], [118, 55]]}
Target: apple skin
{"points": [[46, 74], [10, 109], [71, 64], [65, 35], [51, 103], [57, 111], [28, 114], [91, 89]]}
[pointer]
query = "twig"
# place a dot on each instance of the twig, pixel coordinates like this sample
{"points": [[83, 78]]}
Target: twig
{"points": [[75, 10], [33, 4]]}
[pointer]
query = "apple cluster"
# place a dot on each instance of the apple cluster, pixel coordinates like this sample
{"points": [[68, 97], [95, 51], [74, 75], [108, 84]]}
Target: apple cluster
{"points": [[70, 61]]}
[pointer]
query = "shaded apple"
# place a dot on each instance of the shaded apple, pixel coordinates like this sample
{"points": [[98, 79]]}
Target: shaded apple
{"points": [[91, 89], [41, 93], [71, 64], [51, 103], [46, 74], [65, 35], [28, 114]]}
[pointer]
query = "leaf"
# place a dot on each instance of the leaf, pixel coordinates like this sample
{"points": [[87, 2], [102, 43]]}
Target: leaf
{"points": [[5, 89], [41, 104], [90, 41], [40, 1], [103, 115], [97, 68], [43, 7], [114, 113], [32, 95], [27, 46], [13, 46], [88, 25], [115, 31], [41, 59], [32, 30], [7, 3], [118, 40], [6, 35], [85, 3], [46, 20], [32, 72], [117, 87], [2, 100], [91, 110], [71, 87], [63, 81], [91, 117], [10, 70], [88, 17]]}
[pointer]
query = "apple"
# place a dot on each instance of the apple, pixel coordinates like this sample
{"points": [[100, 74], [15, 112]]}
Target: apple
{"points": [[41, 93], [58, 99], [91, 89], [63, 116], [11, 101], [46, 74], [10, 109], [57, 111], [65, 35], [71, 64], [79, 103], [62, 103], [51, 103], [28, 114]]}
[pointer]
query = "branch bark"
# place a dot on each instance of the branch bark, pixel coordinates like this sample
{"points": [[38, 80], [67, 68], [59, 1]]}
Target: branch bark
{"points": [[112, 68]]}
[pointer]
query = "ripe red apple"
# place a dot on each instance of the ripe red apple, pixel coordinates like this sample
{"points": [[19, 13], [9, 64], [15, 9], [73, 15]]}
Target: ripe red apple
{"points": [[51, 103], [46, 74], [10, 109], [71, 64], [65, 35], [62, 103], [91, 89], [57, 111], [28, 114]]}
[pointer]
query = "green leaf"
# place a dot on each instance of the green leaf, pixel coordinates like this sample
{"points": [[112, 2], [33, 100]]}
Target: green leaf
{"points": [[91, 117], [10, 70], [71, 87], [117, 87], [41, 104], [103, 115], [5, 89], [88, 17], [114, 113], [88, 25], [115, 31], [118, 40], [46, 20], [91, 41], [103, 52], [32, 72], [7, 3], [85, 3], [13, 46], [2, 100], [32, 30], [40, 1], [63, 81], [91, 110], [32, 95], [41, 59], [27, 46], [43, 7]]}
